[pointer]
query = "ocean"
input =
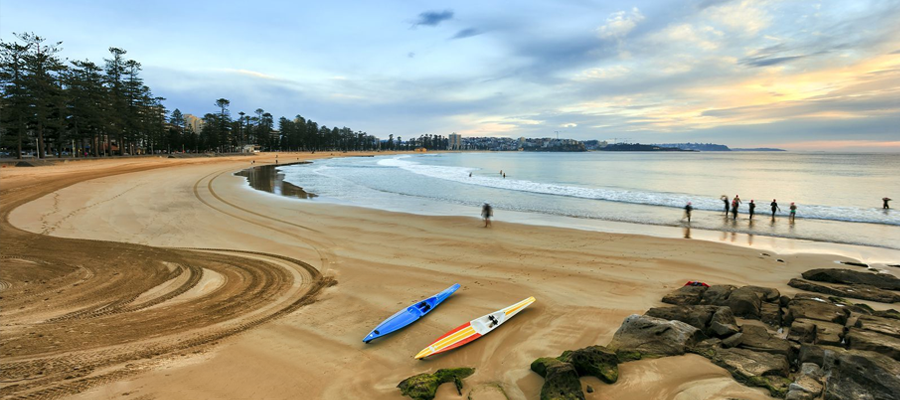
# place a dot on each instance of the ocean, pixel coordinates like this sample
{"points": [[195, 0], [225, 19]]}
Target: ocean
{"points": [[838, 195]]}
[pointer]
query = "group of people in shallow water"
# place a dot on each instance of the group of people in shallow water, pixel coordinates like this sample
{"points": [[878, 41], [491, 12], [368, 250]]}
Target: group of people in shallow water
{"points": [[736, 202]]}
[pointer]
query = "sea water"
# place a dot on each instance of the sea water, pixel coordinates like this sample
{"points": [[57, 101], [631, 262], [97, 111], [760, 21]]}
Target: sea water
{"points": [[838, 195]]}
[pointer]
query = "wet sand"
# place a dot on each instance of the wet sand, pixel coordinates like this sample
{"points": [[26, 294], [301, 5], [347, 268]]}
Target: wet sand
{"points": [[321, 277]]}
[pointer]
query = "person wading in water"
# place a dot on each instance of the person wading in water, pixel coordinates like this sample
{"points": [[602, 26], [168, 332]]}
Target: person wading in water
{"points": [[687, 212], [725, 200], [734, 206], [752, 206], [774, 208]]}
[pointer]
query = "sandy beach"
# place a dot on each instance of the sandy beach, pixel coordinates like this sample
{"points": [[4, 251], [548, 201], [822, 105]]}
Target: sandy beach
{"points": [[171, 279]]}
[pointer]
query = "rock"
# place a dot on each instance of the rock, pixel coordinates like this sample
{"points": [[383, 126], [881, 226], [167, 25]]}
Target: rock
{"points": [[829, 333], [685, 295], [856, 291], [733, 340], [882, 325], [722, 323], [744, 302], [892, 314], [424, 386], [541, 365], [707, 348], [597, 361], [561, 383], [860, 308], [770, 313], [717, 295], [757, 338], [696, 316], [752, 368], [590, 389], [858, 339], [815, 308], [811, 354], [654, 337], [783, 301], [838, 275], [863, 375], [802, 331], [764, 293], [808, 384]]}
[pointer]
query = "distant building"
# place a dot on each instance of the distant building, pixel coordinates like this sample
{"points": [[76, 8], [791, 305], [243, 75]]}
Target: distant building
{"points": [[455, 142], [196, 124]]}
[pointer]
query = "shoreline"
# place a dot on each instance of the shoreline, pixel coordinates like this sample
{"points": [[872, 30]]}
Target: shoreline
{"points": [[871, 254]]}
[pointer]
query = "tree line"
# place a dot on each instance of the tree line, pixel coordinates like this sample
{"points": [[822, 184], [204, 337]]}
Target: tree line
{"points": [[50, 105]]}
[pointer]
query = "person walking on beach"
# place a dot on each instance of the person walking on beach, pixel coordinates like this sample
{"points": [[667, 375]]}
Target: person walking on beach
{"points": [[793, 211], [687, 212], [734, 205], [725, 200], [774, 208], [486, 213], [752, 207], [886, 206]]}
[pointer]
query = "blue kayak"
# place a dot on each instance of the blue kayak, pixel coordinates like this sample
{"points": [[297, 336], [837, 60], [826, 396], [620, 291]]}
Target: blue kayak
{"points": [[409, 314]]}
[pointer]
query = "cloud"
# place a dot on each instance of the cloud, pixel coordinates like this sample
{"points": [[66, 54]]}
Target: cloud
{"points": [[765, 62], [433, 18], [618, 24], [465, 33]]}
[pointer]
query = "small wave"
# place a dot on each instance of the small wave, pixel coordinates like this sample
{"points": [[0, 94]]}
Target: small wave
{"points": [[674, 200]]}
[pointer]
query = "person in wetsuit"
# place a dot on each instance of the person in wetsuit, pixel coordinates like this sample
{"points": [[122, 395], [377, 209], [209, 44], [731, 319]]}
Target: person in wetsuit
{"points": [[687, 211], [774, 207], [734, 206], [886, 206], [752, 207], [725, 200]]}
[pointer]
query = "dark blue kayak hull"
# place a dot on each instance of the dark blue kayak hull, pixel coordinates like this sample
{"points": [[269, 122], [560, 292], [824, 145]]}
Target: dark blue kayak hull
{"points": [[409, 314]]}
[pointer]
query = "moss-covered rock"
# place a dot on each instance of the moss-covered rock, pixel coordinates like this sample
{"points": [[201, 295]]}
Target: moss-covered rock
{"points": [[597, 361], [561, 382], [424, 386]]}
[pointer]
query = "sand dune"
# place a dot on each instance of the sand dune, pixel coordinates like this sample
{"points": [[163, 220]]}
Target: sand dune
{"points": [[109, 226]]}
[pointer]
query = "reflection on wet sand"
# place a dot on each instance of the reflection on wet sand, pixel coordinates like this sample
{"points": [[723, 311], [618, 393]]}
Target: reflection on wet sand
{"points": [[268, 179]]}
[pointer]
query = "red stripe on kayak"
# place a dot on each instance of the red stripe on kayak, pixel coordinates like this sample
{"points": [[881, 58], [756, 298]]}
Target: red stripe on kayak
{"points": [[459, 328]]}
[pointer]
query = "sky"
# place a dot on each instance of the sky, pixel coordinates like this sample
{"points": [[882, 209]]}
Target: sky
{"points": [[799, 75]]}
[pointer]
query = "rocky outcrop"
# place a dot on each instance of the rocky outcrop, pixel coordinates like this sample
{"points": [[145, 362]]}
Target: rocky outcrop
{"points": [[839, 275], [817, 309], [717, 295], [560, 379], [808, 384], [829, 333], [803, 331], [856, 291], [696, 316], [753, 368], [711, 320], [745, 302], [424, 386], [764, 293], [654, 337], [882, 325], [757, 338], [723, 323], [858, 375], [685, 295], [561, 373], [859, 339], [770, 313], [596, 361]]}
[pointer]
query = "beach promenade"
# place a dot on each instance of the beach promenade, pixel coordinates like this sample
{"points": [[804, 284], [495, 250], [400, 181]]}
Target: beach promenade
{"points": [[171, 279]]}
